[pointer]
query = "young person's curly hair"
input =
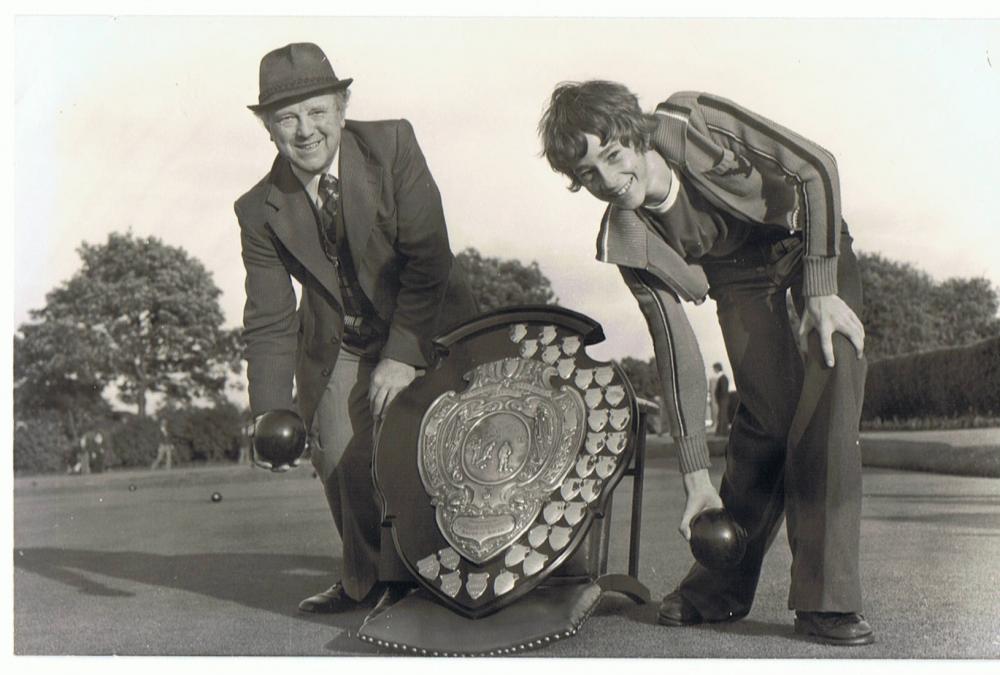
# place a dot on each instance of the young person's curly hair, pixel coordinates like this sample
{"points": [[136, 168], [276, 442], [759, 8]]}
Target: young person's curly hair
{"points": [[605, 109]]}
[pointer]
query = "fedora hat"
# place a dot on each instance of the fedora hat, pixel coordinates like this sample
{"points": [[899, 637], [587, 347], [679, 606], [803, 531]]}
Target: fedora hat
{"points": [[294, 71]]}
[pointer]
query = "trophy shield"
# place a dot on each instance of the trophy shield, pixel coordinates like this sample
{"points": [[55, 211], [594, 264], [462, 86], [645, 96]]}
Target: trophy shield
{"points": [[494, 464]]}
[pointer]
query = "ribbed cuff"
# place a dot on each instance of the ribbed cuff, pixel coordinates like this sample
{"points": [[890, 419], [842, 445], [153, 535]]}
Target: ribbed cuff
{"points": [[820, 276], [692, 452]]}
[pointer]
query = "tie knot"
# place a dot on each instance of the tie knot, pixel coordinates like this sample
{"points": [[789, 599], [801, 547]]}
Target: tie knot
{"points": [[328, 186]]}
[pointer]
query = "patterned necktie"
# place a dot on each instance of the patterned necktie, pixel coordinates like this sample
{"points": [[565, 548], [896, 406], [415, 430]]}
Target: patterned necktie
{"points": [[329, 193]]}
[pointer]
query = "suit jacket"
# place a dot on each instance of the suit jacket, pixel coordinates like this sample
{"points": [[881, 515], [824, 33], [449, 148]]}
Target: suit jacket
{"points": [[398, 240]]}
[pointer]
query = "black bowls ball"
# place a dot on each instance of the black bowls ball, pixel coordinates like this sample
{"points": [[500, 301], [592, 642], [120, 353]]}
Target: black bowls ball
{"points": [[279, 437], [717, 540]]}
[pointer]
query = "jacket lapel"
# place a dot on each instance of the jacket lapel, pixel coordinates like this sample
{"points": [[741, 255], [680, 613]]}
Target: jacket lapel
{"points": [[361, 182], [294, 222]]}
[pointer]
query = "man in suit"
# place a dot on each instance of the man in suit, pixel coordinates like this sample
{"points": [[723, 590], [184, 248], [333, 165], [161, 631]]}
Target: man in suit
{"points": [[704, 198], [719, 387], [351, 211]]}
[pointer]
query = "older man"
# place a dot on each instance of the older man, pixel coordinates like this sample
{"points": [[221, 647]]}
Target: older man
{"points": [[351, 211]]}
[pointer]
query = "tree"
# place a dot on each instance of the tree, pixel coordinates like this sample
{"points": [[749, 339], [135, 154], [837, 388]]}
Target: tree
{"points": [[906, 311], [643, 375], [498, 283], [139, 314]]}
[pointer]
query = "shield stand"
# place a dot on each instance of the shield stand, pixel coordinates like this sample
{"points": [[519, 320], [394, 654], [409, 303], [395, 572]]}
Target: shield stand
{"points": [[629, 584]]}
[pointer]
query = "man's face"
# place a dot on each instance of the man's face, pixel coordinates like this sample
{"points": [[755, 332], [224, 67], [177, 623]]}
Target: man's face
{"points": [[307, 132], [613, 173]]}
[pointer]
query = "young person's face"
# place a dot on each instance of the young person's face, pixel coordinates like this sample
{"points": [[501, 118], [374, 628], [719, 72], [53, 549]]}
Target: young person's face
{"points": [[614, 173]]}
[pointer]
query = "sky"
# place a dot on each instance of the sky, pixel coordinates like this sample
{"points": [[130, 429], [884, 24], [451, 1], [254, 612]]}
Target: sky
{"points": [[141, 123]]}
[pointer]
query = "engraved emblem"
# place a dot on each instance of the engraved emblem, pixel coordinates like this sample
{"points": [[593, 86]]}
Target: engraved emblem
{"points": [[619, 418], [528, 348], [429, 567], [504, 582], [615, 394], [476, 584], [489, 457], [534, 563], [597, 419], [570, 345], [451, 583], [551, 354], [593, 397], [596, 442], [616, 442], [606, 466], [515, 554], [604, 375], [565, 368]]}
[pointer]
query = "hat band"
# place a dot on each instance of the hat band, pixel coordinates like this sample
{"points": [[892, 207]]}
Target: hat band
{"points": [[295, 85]]}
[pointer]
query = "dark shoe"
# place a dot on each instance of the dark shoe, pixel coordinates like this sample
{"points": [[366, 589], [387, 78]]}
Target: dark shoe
{"points": [[676, 611], [834, 628], [332, 600]]}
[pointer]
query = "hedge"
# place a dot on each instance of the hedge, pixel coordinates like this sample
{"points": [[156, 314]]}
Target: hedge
{"points": [[134, 441], [40, 445], [206, 434], [953, 382]]}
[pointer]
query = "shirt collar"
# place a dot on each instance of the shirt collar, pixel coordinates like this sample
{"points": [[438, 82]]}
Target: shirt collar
{"points": [[310, 182]]}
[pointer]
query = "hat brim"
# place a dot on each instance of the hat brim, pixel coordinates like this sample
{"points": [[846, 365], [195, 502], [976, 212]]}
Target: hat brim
{"points": [[300, 93]]}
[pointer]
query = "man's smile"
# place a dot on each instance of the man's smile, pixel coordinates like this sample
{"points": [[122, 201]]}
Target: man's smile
{"points": [[624, 188]]}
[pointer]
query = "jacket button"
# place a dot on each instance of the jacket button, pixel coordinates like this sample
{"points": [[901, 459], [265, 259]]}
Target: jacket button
{"points": [[326, 372]]}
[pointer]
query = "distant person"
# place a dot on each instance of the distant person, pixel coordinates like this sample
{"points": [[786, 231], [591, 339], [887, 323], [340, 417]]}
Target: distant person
{"points": [[708, 198], [92, 448], [718, 385], [164, 450], [349, 209]]}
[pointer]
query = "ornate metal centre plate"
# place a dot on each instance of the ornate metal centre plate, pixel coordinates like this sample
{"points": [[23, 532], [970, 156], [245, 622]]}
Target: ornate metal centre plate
{"points": [[489, 455]]}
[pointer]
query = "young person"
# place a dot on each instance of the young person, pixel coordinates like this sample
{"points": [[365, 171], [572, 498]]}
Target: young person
{"points": [[706, 198]]}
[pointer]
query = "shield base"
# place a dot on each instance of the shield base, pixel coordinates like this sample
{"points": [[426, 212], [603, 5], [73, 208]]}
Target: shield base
{"points": [[420, 625]]}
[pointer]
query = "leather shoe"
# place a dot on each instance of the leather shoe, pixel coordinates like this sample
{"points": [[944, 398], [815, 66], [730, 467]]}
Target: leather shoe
{"points": [[675, 610], [332, 600], [834, 628]]}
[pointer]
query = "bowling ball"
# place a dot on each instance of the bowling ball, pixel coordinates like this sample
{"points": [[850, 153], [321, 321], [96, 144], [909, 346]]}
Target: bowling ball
{"points": [[216, 497], [717, 540], [279, 437]]}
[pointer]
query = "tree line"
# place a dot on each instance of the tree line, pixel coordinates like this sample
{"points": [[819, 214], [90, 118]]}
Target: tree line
{"points": [[141, 319]]}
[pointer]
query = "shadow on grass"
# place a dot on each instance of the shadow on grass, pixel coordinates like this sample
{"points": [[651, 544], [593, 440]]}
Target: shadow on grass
{"points": [[263, 581]]}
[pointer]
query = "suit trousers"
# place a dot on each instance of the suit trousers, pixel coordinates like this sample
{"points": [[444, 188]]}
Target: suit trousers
{"points": [[793, 447], [342, 454]]}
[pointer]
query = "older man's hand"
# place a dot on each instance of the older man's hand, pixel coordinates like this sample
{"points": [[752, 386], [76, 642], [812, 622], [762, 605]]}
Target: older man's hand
{"points": [[388, 379]]}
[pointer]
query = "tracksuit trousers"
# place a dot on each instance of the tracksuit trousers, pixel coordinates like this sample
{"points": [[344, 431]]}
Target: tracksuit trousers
{"points": [[793, 446]]}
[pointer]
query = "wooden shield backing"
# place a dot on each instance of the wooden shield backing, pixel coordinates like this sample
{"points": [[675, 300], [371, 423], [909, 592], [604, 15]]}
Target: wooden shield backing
{"points": [[435, 470]]}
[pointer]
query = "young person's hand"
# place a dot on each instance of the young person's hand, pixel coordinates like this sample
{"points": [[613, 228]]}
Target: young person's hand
{"points": [[828, 314], [701, 495]]}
